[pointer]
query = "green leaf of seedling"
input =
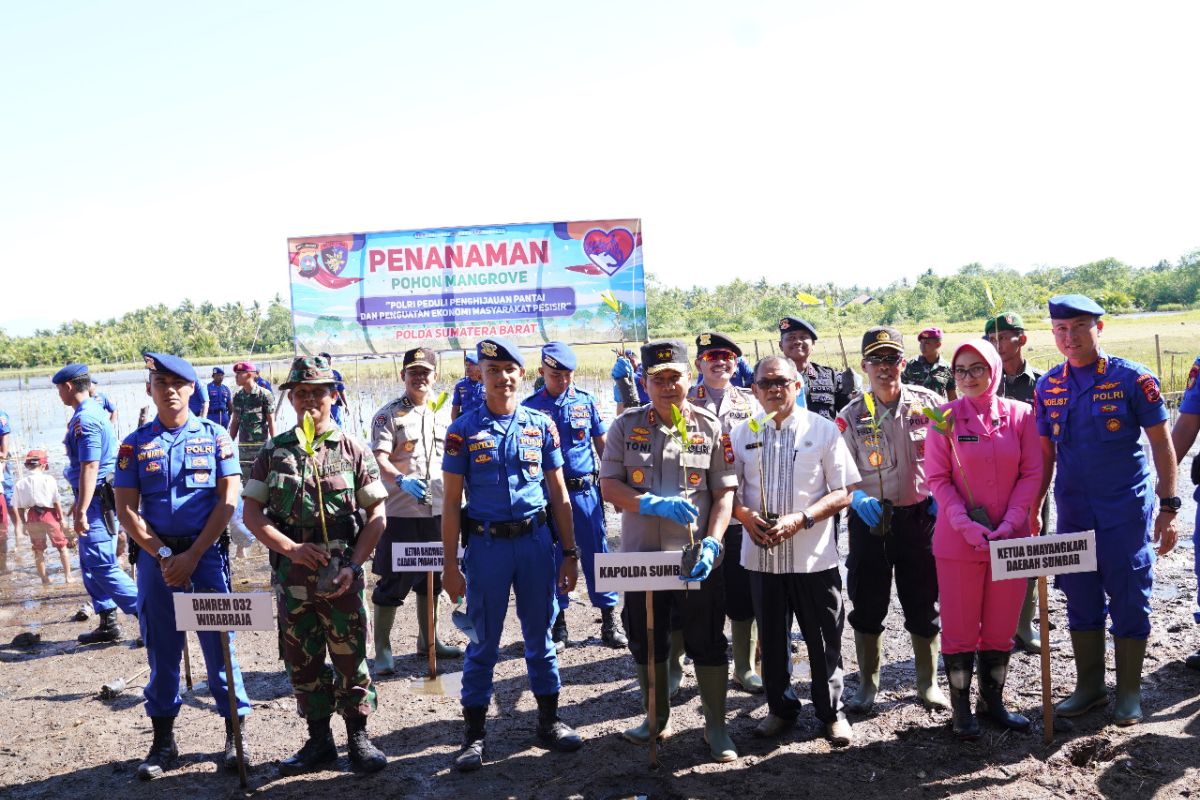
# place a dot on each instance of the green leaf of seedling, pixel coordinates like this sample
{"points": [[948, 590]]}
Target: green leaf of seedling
{"points": [[942, 421], [987, 292], [437, 404], [807, 299], [758, 424], [323, 437], [869, 401], [611, 301], [679, 423]]}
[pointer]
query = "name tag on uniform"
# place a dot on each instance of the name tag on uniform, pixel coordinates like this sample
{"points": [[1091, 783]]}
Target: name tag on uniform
{"points": [[968, 438]]}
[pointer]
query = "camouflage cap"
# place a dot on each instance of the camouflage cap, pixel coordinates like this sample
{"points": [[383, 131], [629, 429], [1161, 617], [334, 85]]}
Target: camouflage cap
{"points": [[308, 369]]}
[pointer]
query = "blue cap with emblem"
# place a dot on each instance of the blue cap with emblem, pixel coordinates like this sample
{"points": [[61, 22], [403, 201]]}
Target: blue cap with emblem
{"points": [[174, 365], [497, 348], [69, 373], [218, 371], [556, 355], [470, 357], [1065, 306]]}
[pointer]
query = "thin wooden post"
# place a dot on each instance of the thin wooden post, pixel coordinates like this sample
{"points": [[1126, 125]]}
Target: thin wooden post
{"points": [[431, 637], [234, 719], [652, 695]]}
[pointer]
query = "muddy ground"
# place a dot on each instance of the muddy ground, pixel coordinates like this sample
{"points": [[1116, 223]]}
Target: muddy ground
{"points": [[59, 739]]}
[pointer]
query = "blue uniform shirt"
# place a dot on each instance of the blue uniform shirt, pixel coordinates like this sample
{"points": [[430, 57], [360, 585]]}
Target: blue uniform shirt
{"points": [[502, 461], [90, 437], [176, 472], [263, 382], [340, 388], [468, 394], [196, 401], [1094, 415], [219, 396], [574, 413], [105, 402], [5, 427]]}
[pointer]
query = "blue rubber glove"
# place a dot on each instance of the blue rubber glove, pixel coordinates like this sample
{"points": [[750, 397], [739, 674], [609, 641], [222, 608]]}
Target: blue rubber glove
{"points": [[676, 509], [710, 548], [416, 487], [933, 506], [868, 508]]}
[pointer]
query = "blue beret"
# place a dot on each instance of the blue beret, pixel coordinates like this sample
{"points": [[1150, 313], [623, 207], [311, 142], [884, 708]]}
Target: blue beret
{"points": [[218, 371], [791, 324], [471, 357], [498, 348], [1065, 306], [161, 362], [556, 355], [69, 373]]}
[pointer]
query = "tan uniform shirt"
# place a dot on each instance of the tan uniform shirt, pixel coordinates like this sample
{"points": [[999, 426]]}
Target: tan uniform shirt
{"points": [[641, 452], [897, 450], [413, 437], [736, 404]]}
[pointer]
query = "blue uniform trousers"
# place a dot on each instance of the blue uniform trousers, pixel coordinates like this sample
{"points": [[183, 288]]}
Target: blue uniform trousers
{"points": [[164, 644], [590, 538], [1196, 564], [493, 567], [1121, 585], [107, 584]]}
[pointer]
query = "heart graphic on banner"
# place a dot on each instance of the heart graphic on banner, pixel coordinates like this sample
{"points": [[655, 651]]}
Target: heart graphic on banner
{"points": [[608, 250]]}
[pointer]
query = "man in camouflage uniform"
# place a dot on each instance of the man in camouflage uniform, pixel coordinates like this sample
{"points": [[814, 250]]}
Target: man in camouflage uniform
{"points": [[312, 528], [928, 369], [252, 423]]}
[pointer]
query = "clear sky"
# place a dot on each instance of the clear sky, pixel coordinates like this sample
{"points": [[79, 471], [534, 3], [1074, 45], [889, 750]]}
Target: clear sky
{"points": [[152, 151]]}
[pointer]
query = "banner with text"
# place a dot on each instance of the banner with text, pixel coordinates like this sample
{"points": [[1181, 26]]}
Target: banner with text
{"points": [[246, 611], [1052, 554], [446, 288]]}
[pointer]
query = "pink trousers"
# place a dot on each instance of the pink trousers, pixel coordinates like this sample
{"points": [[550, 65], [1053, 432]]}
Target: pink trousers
{"points": [[977, 612]]}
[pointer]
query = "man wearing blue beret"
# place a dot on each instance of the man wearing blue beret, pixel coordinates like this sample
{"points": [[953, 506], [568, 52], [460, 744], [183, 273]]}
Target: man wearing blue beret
{"points": [[1091, 410], [468, 392], [177, 482], [91, 446], [579, 430]]}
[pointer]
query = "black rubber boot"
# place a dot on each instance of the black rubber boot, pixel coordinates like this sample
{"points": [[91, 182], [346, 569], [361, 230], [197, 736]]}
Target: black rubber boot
{"points": [[364, 756], [554, 733], [470, 758], [960, 668], [611, 632], [108, 630], [163, 753], [317, 751], [993, 672], [558, 633], [229, 761]]}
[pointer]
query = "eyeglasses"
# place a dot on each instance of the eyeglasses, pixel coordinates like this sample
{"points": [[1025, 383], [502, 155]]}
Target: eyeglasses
{"points": [[975, 371], [891, 361], [718, 355], [773, 383]]}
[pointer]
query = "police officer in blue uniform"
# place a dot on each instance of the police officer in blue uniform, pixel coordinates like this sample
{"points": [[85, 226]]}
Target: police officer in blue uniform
{"points": [[198, 402], [339, 388], [1183, 436], [91, 446], [468, 392], [579, 428], [1091, 410], [501, 452], [177, 482], [220, 399]]}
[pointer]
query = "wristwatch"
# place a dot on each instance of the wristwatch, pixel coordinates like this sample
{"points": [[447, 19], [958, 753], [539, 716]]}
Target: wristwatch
{"points": [[356, 569], [570, 552], [808, 521], [1169, 504], [164, 552]]}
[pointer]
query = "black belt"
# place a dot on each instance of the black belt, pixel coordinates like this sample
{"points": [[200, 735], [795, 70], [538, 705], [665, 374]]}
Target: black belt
{"points": [[580, 484], [506, 530], [919, 506]]}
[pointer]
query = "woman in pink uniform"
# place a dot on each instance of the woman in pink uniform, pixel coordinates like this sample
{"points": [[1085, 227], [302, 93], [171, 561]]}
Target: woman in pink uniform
{"points": [[989, 461]]}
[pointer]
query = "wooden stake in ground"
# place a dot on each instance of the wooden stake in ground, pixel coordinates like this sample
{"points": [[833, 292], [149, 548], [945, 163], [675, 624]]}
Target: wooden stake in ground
{"points": [[234, 719], [1044, 625], [651, 694], [187, 662], [431, 638]]}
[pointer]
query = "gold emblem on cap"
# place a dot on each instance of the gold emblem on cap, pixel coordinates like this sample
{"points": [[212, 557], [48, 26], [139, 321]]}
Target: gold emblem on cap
{"points": [[488, 349], [784, 324], [705, 340], [665, 354], [882, 336], [150, 363], [1008, 318], [550, 362]]}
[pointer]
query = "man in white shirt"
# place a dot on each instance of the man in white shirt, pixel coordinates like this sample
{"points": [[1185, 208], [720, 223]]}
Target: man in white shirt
{"points": [[792, 478]]}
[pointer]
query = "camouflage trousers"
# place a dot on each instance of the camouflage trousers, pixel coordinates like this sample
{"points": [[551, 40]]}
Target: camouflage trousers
{"points": [[313, 625]]}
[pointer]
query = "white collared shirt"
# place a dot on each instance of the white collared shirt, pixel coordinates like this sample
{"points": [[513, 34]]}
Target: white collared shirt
{"points": [[802, 461]]}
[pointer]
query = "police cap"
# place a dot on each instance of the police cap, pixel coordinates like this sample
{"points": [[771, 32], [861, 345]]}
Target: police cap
{"points": [[69, 373], [308, 369], [470, 357], [1008, 321], [882, 338], [557, 355], [497, 348], [170, 365], [1065, 306], [716, 341], [663, 354], [420, 357], [792, 324], [218, 371]]}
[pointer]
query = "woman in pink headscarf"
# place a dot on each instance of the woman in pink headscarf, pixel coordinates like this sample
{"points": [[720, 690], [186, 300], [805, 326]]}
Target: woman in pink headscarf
{"points": [[986, 499]]}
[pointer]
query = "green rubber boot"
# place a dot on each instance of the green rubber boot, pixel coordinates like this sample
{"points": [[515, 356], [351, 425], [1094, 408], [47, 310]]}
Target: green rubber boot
{"points": [[662, 704], [1129, 655], [925, 656], [869, 648], [745, 641], [714, 683], [443, 650], [675, 663], [385, 617], [1089, 675], [1028, 639]]}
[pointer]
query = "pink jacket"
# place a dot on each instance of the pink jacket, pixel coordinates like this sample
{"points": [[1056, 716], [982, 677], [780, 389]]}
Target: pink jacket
{"points": [[1003, 466]]}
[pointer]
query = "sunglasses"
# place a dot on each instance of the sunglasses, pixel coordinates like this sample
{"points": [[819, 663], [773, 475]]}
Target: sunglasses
{"points": [[772, 383], [889, 360], [718, 355]]}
